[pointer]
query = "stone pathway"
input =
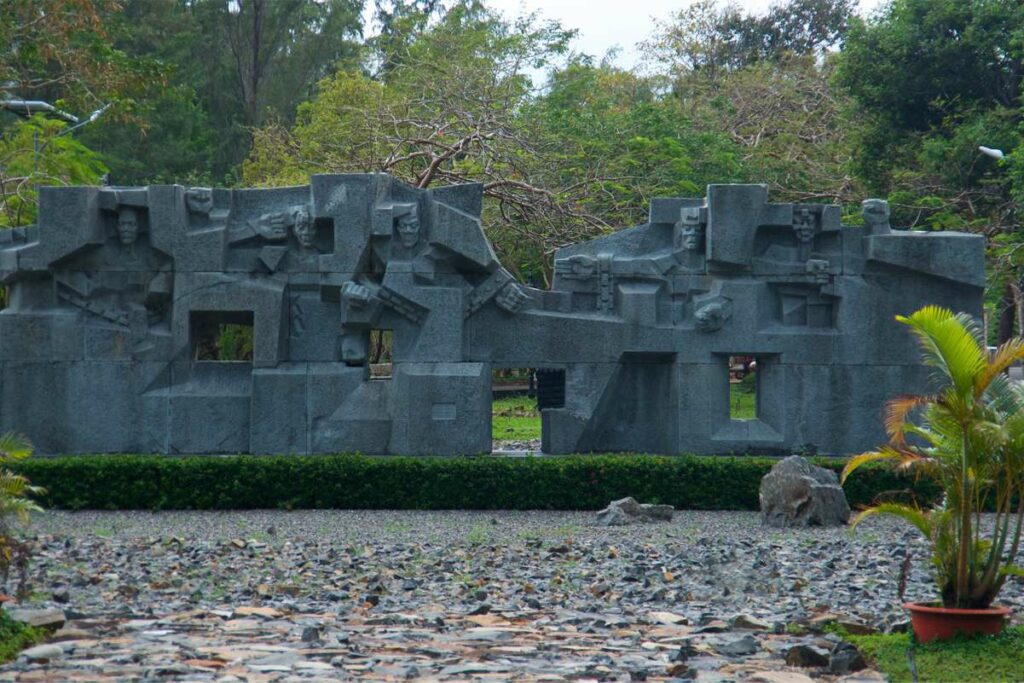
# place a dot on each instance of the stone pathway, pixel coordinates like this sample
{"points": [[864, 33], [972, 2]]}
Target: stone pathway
{"points": [[341, 595]]}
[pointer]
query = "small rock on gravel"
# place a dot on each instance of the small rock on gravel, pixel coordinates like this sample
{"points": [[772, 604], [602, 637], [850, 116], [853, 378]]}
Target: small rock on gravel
{"points": [[43, 653], [846, 659], [807, 656], [627, 511], [40, 618]]}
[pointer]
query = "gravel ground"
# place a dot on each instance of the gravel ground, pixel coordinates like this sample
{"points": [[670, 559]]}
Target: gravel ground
{"points": [[397, 595]]}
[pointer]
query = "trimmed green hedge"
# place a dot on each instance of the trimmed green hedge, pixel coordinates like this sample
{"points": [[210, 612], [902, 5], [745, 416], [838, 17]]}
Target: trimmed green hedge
{"points": [[581, 482]]}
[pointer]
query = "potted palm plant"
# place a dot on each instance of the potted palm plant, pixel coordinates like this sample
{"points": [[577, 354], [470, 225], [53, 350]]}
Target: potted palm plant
{"points": [[968, 437]]}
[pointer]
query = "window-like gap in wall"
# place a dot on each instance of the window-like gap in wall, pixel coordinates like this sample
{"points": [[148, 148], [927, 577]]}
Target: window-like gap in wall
{"points": [[381, 344], [743, 388], [222, 336], [515, 415]]}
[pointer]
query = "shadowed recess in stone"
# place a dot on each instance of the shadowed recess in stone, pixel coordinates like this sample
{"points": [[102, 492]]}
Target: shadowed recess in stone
{"points": [[120, 298]]}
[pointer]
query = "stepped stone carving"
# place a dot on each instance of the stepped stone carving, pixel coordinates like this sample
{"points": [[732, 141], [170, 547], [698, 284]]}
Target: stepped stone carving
{"points": [[112, 295]]}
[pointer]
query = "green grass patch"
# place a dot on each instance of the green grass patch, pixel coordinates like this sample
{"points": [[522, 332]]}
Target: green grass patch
{"points": [[743, 398], [515, 418], [576, 482], [16, 636], [983, 658]]}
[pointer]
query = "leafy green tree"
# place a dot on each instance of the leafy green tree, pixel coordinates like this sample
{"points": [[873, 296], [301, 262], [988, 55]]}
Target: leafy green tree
{"points": [[225, 66], [36, 152], [791, 126], [61, 51], [448, 111], [763, 82], [712, 38], [933, 80], [280, 48], [613, 129]]}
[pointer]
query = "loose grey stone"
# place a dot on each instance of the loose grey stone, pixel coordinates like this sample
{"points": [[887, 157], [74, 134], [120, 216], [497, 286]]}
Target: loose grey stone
{"points": [[796, 493], [41, 618], [747, 622], [627, 511], [846, 659], [43, 653], [744, 645], [807, 656]]}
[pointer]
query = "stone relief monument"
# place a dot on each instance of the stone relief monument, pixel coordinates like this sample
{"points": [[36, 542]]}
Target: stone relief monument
{"points": [[111, 294]]}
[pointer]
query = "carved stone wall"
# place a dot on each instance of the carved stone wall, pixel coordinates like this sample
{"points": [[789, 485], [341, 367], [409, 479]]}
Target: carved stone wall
{"points": [[101, 346]]}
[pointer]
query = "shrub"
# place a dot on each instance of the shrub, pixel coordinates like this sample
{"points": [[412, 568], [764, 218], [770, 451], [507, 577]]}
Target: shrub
{"points": [[578, 482]]}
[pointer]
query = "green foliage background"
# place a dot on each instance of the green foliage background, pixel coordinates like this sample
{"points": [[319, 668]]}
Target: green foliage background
{"points": [[816, 100]]}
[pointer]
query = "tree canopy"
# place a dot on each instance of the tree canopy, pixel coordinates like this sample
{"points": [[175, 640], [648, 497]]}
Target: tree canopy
{"points": [[810, 96]]}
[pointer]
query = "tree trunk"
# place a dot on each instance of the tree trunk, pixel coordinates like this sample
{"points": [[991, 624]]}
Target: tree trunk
{"points": [[1007, 313]]}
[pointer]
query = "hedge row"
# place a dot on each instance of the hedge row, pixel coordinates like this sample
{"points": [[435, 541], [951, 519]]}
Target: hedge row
{"points": [[583, 482]]}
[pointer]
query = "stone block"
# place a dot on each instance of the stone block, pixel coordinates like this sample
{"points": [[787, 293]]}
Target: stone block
{"points": [[278, 414], [441, 408]]}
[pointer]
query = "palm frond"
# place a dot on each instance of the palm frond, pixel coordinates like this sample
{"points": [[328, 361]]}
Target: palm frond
{"points": [[919, 518], [1006, 355], [896, 412], [883, 453], [949, 344], [14, 446]]}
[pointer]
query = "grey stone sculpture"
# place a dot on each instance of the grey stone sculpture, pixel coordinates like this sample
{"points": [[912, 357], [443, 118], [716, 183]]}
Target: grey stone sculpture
{"points": [[112, 292], [797, 494]]}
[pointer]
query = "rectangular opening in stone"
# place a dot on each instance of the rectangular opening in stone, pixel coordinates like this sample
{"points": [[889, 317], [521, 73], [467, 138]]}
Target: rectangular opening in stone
{"points": [[550, 388], [515, 417], [222, 336], [381, 344], [743, 388]]}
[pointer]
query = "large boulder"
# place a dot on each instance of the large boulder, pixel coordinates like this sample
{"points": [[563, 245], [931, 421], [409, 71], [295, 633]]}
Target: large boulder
{"points": [[628, 511], [798, 494]]}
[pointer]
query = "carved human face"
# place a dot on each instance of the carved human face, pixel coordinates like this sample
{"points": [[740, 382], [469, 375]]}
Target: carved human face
{"points": [[689, 228], [199, 199], [127, 226], [803, 225], [409, 230], [304, 230]]}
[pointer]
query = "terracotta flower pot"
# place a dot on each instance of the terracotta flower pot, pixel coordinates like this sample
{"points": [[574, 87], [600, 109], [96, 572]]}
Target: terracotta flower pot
{"points": [[932, 622]]}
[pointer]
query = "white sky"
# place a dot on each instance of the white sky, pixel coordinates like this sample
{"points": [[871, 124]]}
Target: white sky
{"points": [[605, 24]]}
